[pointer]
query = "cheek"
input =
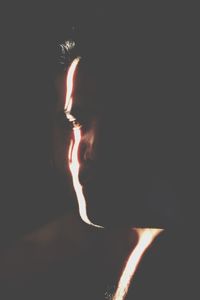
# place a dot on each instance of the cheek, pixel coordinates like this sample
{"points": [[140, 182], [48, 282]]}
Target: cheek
{"points": [[88, 146], [87, 156]]}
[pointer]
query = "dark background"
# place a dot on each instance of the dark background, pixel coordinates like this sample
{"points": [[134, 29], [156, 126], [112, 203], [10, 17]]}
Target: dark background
{"points": [[166, 48]]}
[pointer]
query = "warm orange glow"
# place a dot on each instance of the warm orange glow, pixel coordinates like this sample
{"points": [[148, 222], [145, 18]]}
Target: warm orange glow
{"points": [[74, 168], [145, 238], [74, 164]]}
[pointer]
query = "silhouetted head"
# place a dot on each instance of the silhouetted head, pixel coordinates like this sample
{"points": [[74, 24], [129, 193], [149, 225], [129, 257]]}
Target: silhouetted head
{"points": [[126, 150]]}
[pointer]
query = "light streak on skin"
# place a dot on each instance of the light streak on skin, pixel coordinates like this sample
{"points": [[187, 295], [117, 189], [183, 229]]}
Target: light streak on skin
{"points": [[74, 163], [146, 237], [70, 78]]}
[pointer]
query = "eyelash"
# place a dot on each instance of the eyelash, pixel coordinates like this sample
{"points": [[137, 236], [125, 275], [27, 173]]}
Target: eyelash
{"points": [[72, 120]]}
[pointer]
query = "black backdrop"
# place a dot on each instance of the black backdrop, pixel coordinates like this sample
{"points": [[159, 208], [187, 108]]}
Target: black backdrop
{"points": [[166, 42]]}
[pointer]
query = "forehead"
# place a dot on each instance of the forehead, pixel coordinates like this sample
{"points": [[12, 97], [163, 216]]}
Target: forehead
{"points": [[107, 69], [89, 87], [100, 84], [85, 91]]}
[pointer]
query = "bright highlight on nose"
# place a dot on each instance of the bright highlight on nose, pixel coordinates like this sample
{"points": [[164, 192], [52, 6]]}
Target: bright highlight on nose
{"points": [[74, 164], [146, 237]]}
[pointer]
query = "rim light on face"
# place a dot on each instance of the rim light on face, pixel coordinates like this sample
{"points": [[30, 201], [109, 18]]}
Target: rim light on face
{"points": [[74, 163], [145, 235]]}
